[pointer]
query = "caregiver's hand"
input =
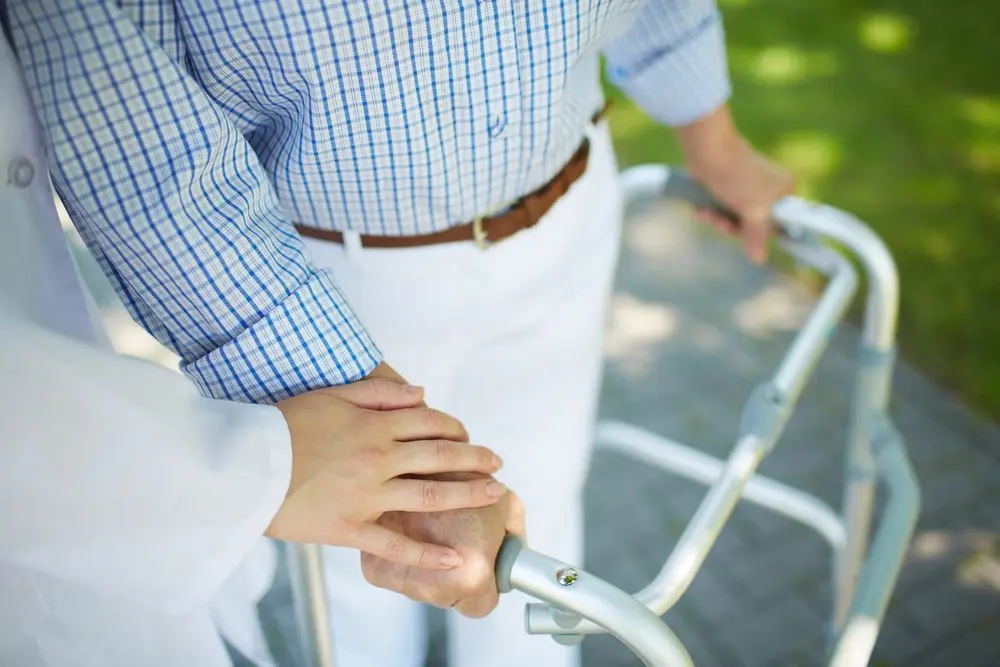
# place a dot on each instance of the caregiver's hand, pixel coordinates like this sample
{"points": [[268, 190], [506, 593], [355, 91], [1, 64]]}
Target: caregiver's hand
{"points": [[351, 444]]}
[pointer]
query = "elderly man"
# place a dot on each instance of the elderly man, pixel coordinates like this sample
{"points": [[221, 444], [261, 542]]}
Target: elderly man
{"points": [[293, 195], [132, 509]]}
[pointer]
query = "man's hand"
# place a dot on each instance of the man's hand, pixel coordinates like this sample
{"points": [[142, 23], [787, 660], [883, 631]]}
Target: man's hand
{"points": [[350, 447], [745, 181], [475, 533]]}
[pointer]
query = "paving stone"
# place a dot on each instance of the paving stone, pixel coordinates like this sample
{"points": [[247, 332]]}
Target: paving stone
{"points": [[975, 647], [607, 651], [793, 564], [946, 607], [896, 644], [783, 627]]}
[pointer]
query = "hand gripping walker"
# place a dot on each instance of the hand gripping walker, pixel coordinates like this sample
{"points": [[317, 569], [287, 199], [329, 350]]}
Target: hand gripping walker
{"points": [[576, 603]]}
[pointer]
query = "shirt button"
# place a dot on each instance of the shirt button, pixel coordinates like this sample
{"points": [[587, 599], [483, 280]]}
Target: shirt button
{"points": [[498, 126]]}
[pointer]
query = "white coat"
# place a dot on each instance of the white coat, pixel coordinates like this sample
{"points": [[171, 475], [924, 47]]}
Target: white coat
{"points": [[131, 508]]}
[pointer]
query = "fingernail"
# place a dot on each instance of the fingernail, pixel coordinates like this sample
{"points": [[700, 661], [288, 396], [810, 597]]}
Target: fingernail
{"points": [[413, 389], [451, 560], [495, 489], [497, 462]]}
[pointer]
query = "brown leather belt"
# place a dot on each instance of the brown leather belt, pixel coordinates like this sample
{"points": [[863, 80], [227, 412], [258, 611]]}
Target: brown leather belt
{"points": [[523, 214]]}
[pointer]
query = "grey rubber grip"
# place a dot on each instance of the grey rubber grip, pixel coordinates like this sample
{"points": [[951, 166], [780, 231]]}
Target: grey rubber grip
{"points": [[680, 185], [508, 553]]}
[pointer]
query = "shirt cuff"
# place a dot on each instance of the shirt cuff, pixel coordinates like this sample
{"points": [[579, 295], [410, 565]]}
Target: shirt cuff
{"points": [[310, 340], [676, 83]]}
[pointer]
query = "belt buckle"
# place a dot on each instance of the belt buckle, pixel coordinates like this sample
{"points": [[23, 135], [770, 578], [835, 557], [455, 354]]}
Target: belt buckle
{"points": [[480, 235]]}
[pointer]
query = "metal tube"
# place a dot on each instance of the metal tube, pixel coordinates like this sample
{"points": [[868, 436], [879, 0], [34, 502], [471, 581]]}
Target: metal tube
{"points": [[871, 396], [705, 468], [762, 430], [857, 639], [696, 465], [305, 569], [763, 425], [691, 549], [872, 381], [858, 499], [703, 530], [617, 611], [879, 329], [810, 342]]}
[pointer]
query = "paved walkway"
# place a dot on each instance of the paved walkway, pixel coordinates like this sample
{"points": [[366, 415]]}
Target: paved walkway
{"points": [[693, 329]]}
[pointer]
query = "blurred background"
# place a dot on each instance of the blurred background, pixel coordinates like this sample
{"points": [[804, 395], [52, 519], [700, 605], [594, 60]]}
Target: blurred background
{"points": [[891, 111]]}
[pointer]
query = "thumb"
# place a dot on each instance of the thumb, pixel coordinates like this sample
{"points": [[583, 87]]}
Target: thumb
{"points": [[379, 394]]}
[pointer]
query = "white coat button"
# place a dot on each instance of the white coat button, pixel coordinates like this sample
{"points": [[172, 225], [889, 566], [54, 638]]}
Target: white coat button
{"points": [[20, 173]]}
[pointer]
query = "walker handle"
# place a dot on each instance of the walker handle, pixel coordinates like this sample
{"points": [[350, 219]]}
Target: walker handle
{"points": [[680, 185]]}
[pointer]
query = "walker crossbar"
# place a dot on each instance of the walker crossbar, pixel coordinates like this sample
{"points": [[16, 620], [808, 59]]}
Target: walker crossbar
{"points": [[575, 603]]}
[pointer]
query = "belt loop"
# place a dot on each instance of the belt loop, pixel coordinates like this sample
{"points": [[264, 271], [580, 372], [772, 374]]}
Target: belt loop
{"points": [[352, 244]]}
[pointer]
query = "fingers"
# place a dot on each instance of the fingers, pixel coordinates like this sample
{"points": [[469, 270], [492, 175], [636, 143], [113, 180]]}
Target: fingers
{"points": [[427, 457], [424, 424], [378, 394], [717, 221], [425, 495], [393, 547], [755, 228], [756, 235]]}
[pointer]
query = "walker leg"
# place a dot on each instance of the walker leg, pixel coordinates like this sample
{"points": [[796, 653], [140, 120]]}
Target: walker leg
{"points": [[870, 398], [305, 569]]}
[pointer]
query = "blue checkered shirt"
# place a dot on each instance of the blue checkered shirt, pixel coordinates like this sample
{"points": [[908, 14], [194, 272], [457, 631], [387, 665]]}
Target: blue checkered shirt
{"points": [[186, 137]]}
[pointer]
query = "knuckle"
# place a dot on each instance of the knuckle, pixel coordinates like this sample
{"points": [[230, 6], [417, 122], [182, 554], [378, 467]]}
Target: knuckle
{"points": [[434, 595], [395, 547], [431, 493], [434, 419], [444, 450]]}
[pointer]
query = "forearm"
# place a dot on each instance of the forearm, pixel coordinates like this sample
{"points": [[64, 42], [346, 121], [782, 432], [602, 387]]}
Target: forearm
{"points": [[173, 203], [711, 141]]}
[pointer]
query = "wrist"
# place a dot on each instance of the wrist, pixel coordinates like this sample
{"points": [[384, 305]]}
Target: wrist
{"points": [[711, 142]]}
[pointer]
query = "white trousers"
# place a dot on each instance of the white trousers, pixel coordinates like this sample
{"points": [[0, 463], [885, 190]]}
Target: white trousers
{"points": [[509, 341]]}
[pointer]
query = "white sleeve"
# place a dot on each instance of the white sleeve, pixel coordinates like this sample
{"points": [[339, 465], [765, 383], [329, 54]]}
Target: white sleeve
{"points": [[115, 474]]}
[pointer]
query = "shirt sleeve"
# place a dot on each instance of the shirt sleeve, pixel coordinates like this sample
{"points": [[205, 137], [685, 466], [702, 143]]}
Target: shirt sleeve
{"points": [[173, 203], [672, 60]]}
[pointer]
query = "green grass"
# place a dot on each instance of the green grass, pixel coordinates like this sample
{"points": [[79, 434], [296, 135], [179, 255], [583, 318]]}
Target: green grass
{"points": [[890, 110]]}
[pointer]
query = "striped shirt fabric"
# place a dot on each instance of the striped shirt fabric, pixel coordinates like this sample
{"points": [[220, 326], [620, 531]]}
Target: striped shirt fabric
{"points": [[187, 136]]}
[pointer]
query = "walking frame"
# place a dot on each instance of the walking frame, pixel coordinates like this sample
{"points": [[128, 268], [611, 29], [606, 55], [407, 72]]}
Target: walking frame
{"points": [[574, 603]]}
